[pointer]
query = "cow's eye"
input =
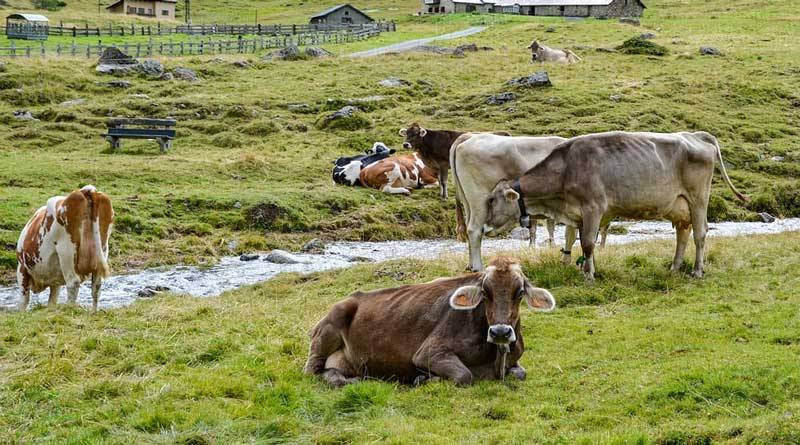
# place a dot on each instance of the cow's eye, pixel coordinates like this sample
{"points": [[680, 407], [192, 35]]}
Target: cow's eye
{"points": [[520, 292]]}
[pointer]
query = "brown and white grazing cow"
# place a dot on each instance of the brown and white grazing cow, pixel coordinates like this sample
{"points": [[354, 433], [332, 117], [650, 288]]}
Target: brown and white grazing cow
{"points": [[64, 243], [542, 54], [463, 329], [398, 174], [631, 175]]}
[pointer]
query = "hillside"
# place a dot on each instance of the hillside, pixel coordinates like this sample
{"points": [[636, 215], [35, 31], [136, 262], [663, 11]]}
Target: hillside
{"points": [[249, 173]]}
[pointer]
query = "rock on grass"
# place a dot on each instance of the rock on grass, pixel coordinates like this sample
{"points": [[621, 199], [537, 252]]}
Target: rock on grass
{"points": [[347, 118], [540, 79]]}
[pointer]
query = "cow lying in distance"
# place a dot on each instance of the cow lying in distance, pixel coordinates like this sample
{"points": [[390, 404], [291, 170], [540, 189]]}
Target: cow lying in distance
{"points": [[462, 329], [398, 174], [64, 243], [434, 147], [596, 177], [542, 54], [346, 169]]}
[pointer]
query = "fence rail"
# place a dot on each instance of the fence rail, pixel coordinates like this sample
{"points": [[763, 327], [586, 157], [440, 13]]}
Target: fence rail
{"points": [[205, 30], [147, 49]]}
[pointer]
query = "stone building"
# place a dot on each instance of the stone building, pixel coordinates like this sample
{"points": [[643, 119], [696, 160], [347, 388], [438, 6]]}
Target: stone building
{"points": [[563, 8], [343, 14], [161, 9]]}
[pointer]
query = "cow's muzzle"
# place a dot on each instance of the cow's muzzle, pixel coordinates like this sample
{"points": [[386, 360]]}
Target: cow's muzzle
{"points": [[501, 334], [407, 145]]}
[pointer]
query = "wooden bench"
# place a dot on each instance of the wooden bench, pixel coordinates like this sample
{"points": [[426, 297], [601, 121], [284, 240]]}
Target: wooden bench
{"points": [[162, 130]]}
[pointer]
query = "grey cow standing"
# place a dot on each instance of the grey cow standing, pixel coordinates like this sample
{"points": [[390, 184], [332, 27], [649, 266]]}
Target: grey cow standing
{"points": [[631, 175]]}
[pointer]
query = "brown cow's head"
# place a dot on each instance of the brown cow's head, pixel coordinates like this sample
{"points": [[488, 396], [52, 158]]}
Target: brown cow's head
{"points": [[413, 136], [504, 211], [501, 288], [534, 47]]}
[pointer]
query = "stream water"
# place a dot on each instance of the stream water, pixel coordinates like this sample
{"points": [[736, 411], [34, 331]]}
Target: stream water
{"points": [[231, 272]]}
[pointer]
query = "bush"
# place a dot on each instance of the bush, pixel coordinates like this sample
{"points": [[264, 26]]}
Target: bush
{"points": [[638, 45], [50, 5]]}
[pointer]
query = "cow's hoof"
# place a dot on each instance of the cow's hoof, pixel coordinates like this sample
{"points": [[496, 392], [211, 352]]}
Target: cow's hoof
{"points": [[697, 274], [518, 372], [425, 378]]}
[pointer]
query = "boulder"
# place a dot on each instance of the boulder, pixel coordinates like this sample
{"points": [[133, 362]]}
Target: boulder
{"points": [[242, 64], [116, 84], [318, 53], [630, 21], [113, 56], [248, 257], [394, 82], [359, 259], [710, 51], [348, 117], [616, 97], [151, 291], [472, 48], [151, 68], [647, 36], [500, 99], [778, 158], [550, 29], [291, 52], [433, 49], [280, 257], [167, 76], [766, 217], [72, 103], [316, 245], [184, 74], [535, 80], [24, 115]]}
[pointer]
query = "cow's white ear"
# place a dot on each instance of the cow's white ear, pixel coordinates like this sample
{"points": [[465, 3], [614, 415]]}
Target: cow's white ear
{"points": [[466, 298], [510, 195], [422, 132], [403, 132], [539, 299]]}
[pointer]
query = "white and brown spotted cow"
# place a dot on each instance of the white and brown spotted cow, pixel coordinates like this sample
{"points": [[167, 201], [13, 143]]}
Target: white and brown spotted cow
{"points": [[399, 174], [64, 243]]}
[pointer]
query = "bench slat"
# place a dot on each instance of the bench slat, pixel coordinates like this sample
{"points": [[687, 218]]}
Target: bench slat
{"points": [[143, 133], [115, 122]]}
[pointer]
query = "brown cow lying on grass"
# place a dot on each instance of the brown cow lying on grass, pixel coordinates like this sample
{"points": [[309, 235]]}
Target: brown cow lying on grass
{"points": [[64, 243], [462, 328], [398, 175]]}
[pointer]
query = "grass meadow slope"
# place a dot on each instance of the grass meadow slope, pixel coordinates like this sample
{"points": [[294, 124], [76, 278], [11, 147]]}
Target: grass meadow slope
{"points": [[641, 357], [247, 167]]}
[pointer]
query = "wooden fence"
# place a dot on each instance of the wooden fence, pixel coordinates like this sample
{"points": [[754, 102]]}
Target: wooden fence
{"points": [[206, 30], [147, 49]]}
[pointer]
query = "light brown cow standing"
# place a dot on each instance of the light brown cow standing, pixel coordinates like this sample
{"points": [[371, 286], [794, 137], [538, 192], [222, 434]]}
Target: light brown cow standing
{"points": [[398, 174], [542, 54], [64, 243]]}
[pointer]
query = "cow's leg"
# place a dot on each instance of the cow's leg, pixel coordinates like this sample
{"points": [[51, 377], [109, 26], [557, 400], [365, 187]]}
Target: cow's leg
{"points": [[395, 190], [96, 281], [445, 365], [589, 227], [52, 299], [475, 237], [532, 232], [551, 232], [442, 183], [700, 228], [24, 281], [326, 358], [66, 258], [570, 234], [682, 232]]}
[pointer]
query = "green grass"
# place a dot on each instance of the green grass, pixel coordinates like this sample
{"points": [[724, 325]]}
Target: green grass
{"points": [[640, 357], [240, 147]]}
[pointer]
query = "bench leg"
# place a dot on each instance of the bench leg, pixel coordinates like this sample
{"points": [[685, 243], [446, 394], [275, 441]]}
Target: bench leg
{"points": [[116, 144], [163, 144]]}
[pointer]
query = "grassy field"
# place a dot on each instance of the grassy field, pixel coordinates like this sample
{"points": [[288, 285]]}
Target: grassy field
{"points": [[249, 173], [640, 357]]}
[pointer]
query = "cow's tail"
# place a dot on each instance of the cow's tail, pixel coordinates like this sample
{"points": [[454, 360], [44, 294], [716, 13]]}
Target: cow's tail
{"points": [[91, 253], [724, 171], [572, 57], [462, 206]]}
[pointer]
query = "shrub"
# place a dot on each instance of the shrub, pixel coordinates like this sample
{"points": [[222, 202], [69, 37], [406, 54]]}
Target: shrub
{"points": [[638, 45]]}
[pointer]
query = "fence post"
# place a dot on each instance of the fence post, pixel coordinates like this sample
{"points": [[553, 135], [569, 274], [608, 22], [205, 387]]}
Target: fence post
{"points": [[42, 43], [88, 51], [74, 49], [58, 50], [74, 31]]}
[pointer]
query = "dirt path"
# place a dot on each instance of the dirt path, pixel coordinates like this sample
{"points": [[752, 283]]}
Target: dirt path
{"points": [[410, 44]]}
